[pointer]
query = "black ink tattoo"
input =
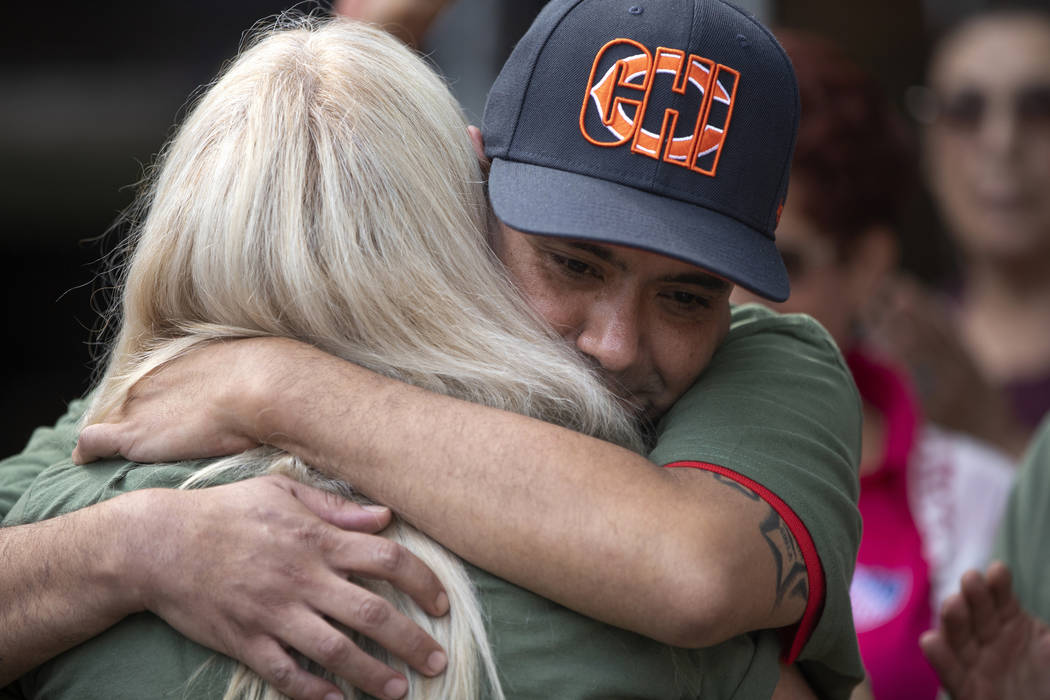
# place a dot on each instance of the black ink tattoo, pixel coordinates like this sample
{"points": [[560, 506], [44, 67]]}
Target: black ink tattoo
{"points": [[792, 578], [735, 485], [791, 569]]}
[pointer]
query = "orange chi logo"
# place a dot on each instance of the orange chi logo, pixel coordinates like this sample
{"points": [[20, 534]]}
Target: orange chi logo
{"points": [[629, 96]]}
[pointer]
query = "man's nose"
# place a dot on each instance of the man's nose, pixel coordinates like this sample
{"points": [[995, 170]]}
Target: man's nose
{"points": [[612, 333]]}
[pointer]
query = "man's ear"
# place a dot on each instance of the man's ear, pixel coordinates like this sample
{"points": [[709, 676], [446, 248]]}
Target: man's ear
{"points": [[478, 141]]}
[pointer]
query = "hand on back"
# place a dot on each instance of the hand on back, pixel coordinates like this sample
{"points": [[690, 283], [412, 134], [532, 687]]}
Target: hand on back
{"points": [[259, 567], [196, 406]]}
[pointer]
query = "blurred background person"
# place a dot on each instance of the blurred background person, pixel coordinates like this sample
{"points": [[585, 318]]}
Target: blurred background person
{"points": [[981, 355], [930, 499]]}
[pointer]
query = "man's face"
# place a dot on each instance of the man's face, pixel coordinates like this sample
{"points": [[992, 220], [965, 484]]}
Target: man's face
{"points": [[651, 323]]}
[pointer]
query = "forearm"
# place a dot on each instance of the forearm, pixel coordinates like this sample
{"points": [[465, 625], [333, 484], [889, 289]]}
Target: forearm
{"points": [[590, 525], [62, 584]]}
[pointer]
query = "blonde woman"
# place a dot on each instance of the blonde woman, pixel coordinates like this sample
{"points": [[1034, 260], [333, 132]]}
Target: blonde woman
{"points": [[325, 190]]}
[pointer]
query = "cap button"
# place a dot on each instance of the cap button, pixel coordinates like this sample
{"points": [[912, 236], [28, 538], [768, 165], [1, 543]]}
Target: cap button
{"points": [[635, 10]]}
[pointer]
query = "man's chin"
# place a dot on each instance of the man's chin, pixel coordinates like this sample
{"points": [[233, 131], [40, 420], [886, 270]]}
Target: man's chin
{"points": [[645, 415], [639, 404], [643, 410]]}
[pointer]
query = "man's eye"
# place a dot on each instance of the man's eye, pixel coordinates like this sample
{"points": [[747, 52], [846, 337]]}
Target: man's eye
{"points": [[576, 267], [688, 300]]}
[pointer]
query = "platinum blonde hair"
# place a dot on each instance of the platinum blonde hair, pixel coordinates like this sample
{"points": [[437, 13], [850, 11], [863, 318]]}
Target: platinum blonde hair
{"points": [[324, 189]]}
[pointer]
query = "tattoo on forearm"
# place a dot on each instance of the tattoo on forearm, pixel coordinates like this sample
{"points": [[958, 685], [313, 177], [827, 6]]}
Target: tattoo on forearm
{"points": [[791, 569]]}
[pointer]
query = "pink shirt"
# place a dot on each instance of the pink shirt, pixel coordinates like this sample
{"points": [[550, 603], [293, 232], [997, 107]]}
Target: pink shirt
{"points": [[891, 586], [930, 512]]}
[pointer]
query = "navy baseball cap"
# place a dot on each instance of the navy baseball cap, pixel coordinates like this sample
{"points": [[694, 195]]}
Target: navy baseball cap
{"points": [[664, 125]]}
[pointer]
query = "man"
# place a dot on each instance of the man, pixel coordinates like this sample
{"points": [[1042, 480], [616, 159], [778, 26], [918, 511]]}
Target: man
{"points": [[645, 149]]}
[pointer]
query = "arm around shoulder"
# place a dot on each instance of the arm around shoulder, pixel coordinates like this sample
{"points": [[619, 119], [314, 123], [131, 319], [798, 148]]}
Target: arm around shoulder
{"points": [[663, 552]]}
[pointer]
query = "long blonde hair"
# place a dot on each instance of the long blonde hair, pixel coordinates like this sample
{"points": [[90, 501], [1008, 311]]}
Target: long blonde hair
{"points": [[324, 189]]}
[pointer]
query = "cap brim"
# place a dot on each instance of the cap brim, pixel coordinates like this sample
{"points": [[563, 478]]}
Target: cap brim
{"points": [[553, 202]]}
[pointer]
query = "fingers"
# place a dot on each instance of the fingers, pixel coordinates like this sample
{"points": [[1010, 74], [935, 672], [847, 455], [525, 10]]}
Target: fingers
{"points": [[309, 631], [364, 554], [336, 510], [379, 558], [320, 641], [1000, 583], [368, 556], [957, 628], [939, 653], [379, 620], [273, 664], [97, 441], [952, 647], [984, 617]]}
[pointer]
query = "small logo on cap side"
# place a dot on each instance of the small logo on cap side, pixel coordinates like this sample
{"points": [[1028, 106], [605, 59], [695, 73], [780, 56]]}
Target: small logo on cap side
{"points": [[629, 97]]}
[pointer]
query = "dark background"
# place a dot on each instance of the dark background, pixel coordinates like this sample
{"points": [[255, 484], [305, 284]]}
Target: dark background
{"points": [[89, 91]]}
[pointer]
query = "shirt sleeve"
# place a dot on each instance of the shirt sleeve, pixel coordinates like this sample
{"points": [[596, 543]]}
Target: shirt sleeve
{"points": [[777, 411], [47, 446]]}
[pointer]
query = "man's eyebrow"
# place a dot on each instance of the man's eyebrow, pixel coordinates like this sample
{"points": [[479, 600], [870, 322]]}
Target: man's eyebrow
{"points": [[600, 252], [700, 279]]}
